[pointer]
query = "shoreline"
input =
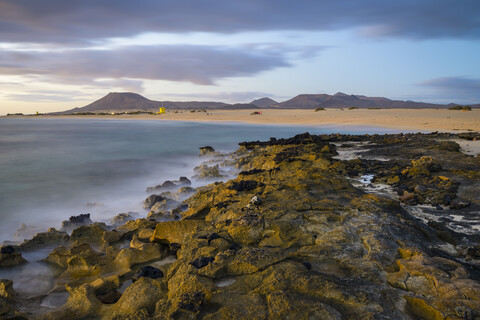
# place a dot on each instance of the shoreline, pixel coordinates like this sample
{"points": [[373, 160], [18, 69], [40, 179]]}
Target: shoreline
{"points": [[425, 120], [289, 216]]}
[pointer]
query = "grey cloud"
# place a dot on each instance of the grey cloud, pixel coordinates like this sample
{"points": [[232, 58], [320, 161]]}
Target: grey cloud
{"points": [[460, 88], [39, 97], [76, 21], [193, 63]]}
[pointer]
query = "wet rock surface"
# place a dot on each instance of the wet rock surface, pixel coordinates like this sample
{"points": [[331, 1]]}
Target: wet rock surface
{"points": [[301, 233]]}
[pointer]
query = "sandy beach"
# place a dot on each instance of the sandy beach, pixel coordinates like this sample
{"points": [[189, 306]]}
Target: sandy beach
{"points": [[406, 119]]}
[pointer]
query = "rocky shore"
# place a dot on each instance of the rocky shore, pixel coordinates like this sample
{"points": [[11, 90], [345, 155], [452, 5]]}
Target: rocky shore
{"points": [[312, 227]]}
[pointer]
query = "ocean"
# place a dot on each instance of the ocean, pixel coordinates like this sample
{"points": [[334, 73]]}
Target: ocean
{"points": [[51, 169]]}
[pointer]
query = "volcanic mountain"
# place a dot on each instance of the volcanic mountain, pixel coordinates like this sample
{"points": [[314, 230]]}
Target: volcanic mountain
{"points": [[264, 102], [342, 100], [128, 101]]}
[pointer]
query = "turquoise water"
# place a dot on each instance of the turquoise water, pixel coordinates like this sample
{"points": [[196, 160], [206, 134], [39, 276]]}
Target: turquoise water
{"points": [[51, 169]]}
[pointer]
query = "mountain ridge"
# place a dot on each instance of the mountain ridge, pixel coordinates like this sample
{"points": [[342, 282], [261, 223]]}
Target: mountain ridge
{"points": [[130, 101]]}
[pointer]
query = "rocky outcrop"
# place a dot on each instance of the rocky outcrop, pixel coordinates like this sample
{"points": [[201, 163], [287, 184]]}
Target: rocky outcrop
{"points": [[75, 222], [291, 237], [171, 185], [9, 257]]}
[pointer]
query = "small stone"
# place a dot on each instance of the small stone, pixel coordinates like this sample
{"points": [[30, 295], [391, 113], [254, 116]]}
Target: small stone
{"points": [[419, 189], [407, 196], [256, 201], [307, 265], [152, 200], [439, 207], [149, 272]]}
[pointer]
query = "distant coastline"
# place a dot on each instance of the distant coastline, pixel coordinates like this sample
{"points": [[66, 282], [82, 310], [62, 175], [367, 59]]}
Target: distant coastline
{"points": [[405, 119]]}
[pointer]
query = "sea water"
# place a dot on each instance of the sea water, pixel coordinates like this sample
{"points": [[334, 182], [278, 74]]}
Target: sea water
{"points": [[51, 169]]}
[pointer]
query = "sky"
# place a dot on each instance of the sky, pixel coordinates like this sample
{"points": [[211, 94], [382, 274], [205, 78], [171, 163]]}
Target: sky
{"points": [[57, 55]]}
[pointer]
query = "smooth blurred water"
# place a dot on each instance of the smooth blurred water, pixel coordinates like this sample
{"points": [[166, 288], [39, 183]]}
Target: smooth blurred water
{"points": [[51, 169]]}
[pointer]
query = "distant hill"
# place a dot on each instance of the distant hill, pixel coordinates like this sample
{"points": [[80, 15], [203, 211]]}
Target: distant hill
{"points": [[128, 101], [342, 100], [264, 102], [119, 101]]}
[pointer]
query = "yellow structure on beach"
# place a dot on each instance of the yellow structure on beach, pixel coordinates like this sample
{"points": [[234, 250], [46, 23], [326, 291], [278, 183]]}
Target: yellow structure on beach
{"points": [[161, 110]]}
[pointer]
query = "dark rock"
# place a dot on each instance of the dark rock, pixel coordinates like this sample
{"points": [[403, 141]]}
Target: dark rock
{"points": [[192, 301], [169, 185], [447, 200], [307, 265], [245, 185], [11, 259], [149, 272], [445, 233], [202, 262], [419, 189], [45, 239], [207, 150], [174, 247], [206, 172], [235, 247], [7, 250], [76, 221], [473, 252], [439, 207], [110, 297], [151, 200], [401, 189], [251, 172], [213, 236], [185, 181], [449, 146], [457, 204]]}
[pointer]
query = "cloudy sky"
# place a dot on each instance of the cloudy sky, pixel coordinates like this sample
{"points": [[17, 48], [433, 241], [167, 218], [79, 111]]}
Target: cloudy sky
{"points": [[57, 54]]}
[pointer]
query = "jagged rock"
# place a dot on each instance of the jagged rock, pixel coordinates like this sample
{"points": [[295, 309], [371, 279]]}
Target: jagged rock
{"points": [[207, 172], [122, 218], [9, 257], [152, 200], [96, 235], [46, 239], [164, 205], [206, 151], [147, 271], [315, 247], [128, 257], [171, 185], [6, 289], [202, 262], [245, 185], [76, 221], [247, 229], [177, 231], [419, 189]]}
